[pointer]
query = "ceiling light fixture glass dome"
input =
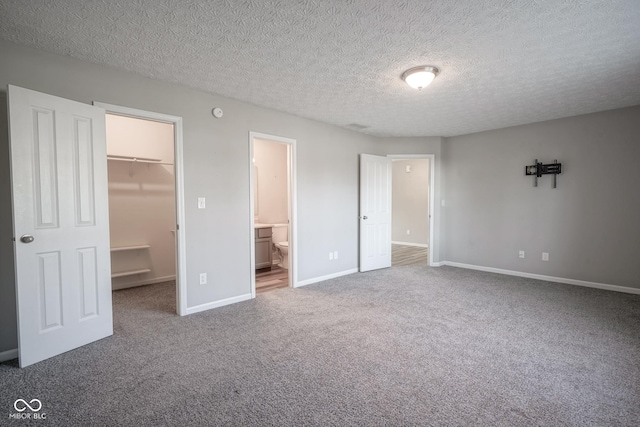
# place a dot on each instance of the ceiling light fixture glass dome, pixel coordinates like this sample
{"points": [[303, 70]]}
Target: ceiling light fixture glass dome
{"points": [[419, 77]]}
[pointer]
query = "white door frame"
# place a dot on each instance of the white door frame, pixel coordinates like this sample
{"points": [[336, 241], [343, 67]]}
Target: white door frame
{"points": [[431, 185], [181, 257], [293, 207]]}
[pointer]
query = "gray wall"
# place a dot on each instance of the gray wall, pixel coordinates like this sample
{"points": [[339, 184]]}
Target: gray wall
{"points": [[589, 224], [216, 153], [410, 201], [8, 332]]}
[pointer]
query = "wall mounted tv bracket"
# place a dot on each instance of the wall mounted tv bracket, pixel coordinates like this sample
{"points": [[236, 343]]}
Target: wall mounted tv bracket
{"points": [[538, 169]]}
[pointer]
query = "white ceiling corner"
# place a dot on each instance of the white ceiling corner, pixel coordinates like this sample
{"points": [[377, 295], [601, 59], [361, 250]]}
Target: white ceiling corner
{"points": [[502, 62]]}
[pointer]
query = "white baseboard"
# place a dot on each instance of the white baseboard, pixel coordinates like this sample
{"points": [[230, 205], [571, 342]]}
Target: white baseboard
{"points": [[417, 245], [8, 355], [327, 277], [216, 304], [437, 264], [142, 282], [546, 278]]}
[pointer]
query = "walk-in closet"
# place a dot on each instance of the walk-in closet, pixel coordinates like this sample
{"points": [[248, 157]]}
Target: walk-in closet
{"points": [[142, 202]]}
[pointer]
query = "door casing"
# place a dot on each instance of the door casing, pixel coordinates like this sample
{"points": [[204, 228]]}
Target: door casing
{"points": [[431, 185], [181, 257], [293, 207]]}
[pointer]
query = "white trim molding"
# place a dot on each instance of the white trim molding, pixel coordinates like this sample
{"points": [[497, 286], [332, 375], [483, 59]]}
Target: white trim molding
{"points": [[417, 245], [575, 282], [327, 277], [8, 355], [216, 304]]}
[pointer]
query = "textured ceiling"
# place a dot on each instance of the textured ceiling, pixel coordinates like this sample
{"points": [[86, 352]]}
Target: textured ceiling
{"points": [[503, 62]]}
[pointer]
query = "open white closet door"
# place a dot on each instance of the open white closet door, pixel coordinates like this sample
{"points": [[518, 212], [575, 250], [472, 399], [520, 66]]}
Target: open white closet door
{"points": [[61, 223], [375, 212]]}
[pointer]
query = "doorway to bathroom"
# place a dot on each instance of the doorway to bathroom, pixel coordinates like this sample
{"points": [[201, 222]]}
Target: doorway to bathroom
{"points": [[273, 212]]}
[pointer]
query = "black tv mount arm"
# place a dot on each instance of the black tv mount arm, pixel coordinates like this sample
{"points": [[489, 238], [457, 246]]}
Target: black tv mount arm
{"points": [[538, 169]]}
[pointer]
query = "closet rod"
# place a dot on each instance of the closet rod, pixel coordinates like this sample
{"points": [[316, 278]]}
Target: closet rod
{"points": [[138, 160]]}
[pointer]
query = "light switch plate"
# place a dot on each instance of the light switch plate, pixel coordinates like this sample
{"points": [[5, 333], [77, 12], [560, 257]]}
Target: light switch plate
{"points": [[201, 203]]}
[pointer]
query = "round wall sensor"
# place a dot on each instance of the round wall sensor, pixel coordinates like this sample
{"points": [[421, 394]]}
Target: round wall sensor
{"points": [[217, 112]]}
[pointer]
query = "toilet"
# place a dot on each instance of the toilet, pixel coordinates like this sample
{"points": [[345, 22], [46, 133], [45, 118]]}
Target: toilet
{"points": [[283, 251], [281, 244]]}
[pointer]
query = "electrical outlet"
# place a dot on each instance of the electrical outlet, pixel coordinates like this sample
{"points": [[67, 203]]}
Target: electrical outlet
{"points": [[408, 232], [335, 254], [545, 256], [521, 254], [203, 278], [201, 203], [330, 255]]}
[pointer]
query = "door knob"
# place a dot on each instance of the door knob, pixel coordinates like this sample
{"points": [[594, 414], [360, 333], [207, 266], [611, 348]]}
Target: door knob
{"points": [[27, 238], [365, 217]]}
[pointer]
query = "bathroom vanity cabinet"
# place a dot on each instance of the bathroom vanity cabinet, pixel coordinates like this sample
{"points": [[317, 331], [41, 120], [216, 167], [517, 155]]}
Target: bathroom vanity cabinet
{"points": [[264, 252]]}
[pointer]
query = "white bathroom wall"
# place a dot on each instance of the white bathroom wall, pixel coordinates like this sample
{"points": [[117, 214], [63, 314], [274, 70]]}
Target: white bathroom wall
{"points": [[410, 195], [271, 168], [141, 200]]}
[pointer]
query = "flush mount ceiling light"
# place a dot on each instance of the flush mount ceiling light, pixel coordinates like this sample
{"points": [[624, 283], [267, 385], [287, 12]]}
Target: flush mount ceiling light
{"points": [[419, 77]]}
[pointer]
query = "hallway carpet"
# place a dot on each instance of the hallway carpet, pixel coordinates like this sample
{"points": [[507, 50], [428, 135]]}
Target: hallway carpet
{"points": [[406, 346]]}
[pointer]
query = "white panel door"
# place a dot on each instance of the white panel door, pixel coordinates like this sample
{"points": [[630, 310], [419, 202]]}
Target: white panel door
{"points": [[61, 223], [375, 212]]}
